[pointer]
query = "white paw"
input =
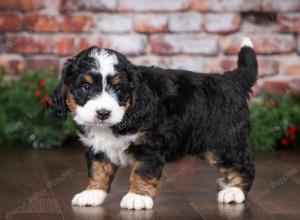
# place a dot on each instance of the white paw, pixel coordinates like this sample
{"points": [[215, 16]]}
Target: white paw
{"points": [[91, 197], [231, 194], [135, 201]]}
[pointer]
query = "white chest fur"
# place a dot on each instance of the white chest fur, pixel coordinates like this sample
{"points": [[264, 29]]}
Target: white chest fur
{"points": [[103, 140]]}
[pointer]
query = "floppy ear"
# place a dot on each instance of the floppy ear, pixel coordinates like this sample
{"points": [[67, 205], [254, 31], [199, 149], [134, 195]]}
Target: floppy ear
{"points": [[59, 105], [58, 97]]}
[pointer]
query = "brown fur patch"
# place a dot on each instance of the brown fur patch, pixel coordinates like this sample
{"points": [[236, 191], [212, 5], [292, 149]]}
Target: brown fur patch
{"points": [[88, 79], [102, 174], [127, 105], [233, 178], [230, 177], [116, 79], [143, 186], [141, 139], [71, 102], [211, 158]]}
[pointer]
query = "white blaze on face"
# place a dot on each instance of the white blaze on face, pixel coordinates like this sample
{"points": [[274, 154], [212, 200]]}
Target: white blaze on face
{"points": [[105, 62], [106, 100]]}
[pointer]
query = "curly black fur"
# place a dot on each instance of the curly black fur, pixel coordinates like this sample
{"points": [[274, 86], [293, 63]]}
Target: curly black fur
{"points": [[180, 113]]}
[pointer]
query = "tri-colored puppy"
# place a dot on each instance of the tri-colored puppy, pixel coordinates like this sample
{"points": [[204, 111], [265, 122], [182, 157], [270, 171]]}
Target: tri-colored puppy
{"points": [[148, 116]]}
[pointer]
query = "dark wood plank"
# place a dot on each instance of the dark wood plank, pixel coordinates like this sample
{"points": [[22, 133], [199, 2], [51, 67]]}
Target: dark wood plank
{"points": [[272, 190], [24, 190], [46, 180]]}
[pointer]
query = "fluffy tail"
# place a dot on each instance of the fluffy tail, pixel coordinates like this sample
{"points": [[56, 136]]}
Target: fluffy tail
{"points": [[247, 64]]}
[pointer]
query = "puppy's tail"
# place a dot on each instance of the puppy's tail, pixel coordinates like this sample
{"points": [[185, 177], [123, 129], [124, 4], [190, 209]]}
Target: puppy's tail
{"points": [[247, 64]]}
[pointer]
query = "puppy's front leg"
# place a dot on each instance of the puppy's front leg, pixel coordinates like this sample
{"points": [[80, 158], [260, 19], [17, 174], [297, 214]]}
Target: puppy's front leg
{"points": [[144, 180], [101, 174]]}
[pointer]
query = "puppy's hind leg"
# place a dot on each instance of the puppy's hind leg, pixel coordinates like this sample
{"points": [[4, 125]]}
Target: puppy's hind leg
{"points": [[237, 176]]}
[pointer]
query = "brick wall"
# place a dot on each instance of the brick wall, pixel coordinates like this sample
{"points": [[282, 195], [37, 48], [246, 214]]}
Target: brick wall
{"points": [[200, 35]]}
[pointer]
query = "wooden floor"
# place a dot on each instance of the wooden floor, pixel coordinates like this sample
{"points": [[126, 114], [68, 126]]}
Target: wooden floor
{"points": [[39, 184]]}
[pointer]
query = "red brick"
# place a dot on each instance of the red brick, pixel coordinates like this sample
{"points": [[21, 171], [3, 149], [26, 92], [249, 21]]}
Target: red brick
{"points": [[185, 22], [41, 22], [35, 44], [153, 5], [219, 65], [114, 23], [276, 86], [12, 64], [37, 63], [292, 69], [222, 23], [87, 42], [77, 23], [282, 85], [267, 67], [225, 5], [21, 4], [289, 23], [151, 23], [183, 43], [31, 44], [10, 22], [65, 46], [9, 4], [263, 44], [294, 86], [31, 4], [280, 6]]}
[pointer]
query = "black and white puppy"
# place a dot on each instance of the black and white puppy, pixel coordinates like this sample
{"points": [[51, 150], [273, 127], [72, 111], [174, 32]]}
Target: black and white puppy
{"points": [[148, 116]]}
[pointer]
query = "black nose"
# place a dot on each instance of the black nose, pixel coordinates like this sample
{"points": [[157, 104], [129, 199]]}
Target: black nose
{"points": [[103, 114]]}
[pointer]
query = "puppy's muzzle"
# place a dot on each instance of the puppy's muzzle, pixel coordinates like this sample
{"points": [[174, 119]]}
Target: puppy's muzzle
{"points": [[103, 114]]}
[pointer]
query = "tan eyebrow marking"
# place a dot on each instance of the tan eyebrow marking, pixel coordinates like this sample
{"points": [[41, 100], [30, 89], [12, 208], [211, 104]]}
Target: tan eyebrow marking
{"points": [[88, 79], [116, 79]]}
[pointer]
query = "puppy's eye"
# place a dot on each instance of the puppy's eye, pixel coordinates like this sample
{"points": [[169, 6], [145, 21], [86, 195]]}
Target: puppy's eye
{"points": [[86, 88]]}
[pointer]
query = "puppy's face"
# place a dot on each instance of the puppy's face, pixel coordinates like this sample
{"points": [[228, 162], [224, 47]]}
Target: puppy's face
{"points": [[96, 87]]}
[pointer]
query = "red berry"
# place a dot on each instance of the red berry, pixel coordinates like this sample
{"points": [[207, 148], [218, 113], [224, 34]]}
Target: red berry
{"points": [[38, 93], [46, 101], [42, 83], [290, 137], [292, 129], [284, 142]]}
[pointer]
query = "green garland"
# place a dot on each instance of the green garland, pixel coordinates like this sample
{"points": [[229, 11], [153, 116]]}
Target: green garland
{"points": [[25, 117], [275, 123]]}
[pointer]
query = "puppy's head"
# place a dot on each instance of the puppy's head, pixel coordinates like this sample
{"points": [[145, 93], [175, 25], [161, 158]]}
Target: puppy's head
{"points": [[96, 86]]}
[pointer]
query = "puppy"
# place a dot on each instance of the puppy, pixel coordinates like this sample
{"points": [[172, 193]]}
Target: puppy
{"points": [[148, 116]]}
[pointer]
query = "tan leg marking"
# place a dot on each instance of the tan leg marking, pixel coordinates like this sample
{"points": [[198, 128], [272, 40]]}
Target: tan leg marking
{"points": [[143, 186], [230, 177], [233, 178], [102, 174]]}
